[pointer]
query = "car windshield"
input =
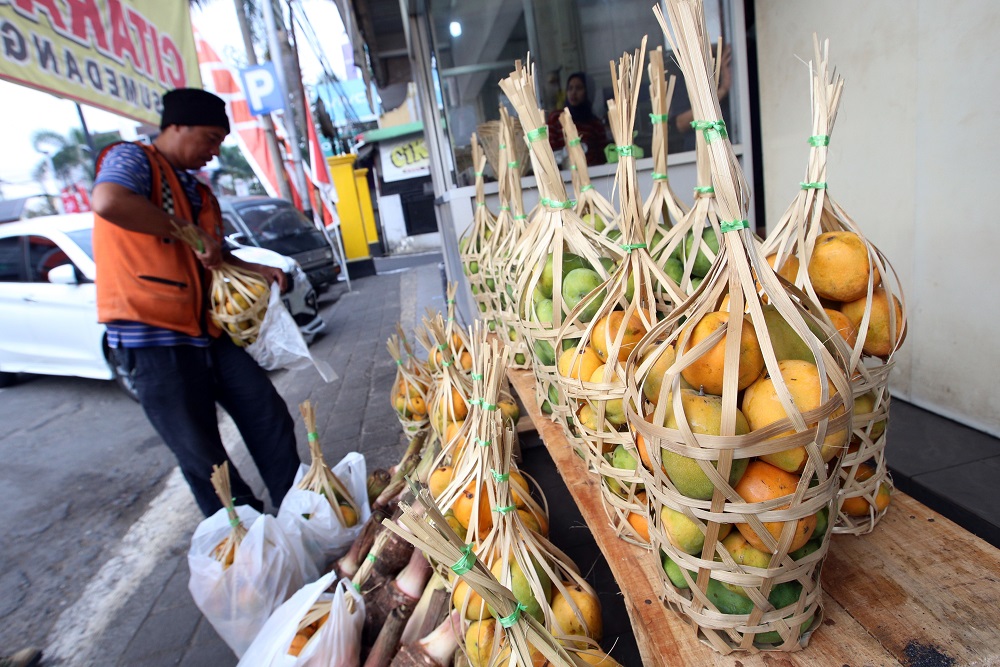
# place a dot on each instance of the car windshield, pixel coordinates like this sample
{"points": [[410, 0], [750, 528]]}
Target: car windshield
{"points": [[84, 239], [270, 221]]}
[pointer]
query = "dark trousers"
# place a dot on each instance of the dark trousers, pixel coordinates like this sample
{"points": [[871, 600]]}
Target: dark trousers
{"points": [[178, 388]]}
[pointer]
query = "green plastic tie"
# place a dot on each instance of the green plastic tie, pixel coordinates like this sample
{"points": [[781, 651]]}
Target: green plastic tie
{"points": [[713, 129], [450, 301], [704, 190], [313, 436], [446, 364], [584, 188], [572, 167], [503, 146], [500, 477], [492, 407], [558, 205], [575, 142], [733, 225], [480, 203], [505, 208], [399, 362], [520, 217], [655, 118], [513, 165], [478, 174], [371, 557], [466, 562], [234, 522], [484, 443], [629, 247], [626, 151], [816, 185], [818, 140], [476, 401], [505, 510], [509, 621], [357, 587], [477, 376], [540, 133], [657, 176]]}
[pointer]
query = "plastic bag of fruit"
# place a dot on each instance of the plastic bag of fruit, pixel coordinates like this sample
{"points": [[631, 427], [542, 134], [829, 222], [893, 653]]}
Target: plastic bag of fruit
{"points": [[315, 627], [279, 343], [238, 586], [310, 517]]}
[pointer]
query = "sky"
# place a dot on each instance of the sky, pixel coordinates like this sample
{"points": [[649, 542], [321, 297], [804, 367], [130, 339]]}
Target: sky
{"points": [[24, 111]]}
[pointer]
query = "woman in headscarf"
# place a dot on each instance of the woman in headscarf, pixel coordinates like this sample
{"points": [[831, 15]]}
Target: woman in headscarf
{"points": [[593, 134]]}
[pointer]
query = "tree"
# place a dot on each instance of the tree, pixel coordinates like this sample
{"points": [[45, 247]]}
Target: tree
{"points": [[70, 156], [233, 164]]}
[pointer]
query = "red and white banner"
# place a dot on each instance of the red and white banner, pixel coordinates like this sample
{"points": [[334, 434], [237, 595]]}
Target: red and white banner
{"points": [[74, 199]]}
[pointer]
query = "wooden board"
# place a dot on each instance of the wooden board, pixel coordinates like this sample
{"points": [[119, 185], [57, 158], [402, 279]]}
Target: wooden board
{"points": [[918, 591]]}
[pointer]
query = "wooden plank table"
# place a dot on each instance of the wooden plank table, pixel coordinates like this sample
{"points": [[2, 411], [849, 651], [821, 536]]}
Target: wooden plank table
{"points": [[919, 591]]}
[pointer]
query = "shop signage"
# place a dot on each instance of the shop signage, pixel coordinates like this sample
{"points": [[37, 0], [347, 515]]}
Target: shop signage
{"points": [[404, 158], [260, 83]]}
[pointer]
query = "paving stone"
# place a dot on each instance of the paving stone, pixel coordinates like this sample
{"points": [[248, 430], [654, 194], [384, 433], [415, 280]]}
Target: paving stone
{"points": [[169, 631]]}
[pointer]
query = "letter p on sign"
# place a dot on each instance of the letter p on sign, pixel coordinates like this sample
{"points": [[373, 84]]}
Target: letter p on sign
{"points": [[260, 84]]}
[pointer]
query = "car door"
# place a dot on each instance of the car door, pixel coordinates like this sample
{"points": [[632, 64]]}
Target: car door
{"points": [[15, 317], [66, 338]]}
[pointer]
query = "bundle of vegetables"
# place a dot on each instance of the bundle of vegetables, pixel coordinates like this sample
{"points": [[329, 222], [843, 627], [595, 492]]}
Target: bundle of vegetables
{"points": [[820, 249], [511, 223], [225, 551], [474, 242], [238, 297], [559, 259], [320, 479], [739, 448], [410, 388], [662, 209], [605, 326], [593, 207]]}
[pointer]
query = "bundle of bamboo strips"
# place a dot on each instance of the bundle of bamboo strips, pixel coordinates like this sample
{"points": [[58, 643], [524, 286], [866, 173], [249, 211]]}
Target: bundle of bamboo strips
{"points": [[662, 208], [320, 479], [592, 206], [410, 388], [474, 244], [225, 551]]}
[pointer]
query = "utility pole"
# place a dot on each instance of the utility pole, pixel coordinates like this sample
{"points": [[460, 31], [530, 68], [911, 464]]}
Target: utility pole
{"points": [[272, 140], [277, 55]]}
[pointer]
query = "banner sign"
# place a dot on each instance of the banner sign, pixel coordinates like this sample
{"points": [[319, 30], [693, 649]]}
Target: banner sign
{"points": [[260, 83], [118, 55], [404, 158]]}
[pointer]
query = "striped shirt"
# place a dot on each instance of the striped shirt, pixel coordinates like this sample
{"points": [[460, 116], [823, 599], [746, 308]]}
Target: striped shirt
{"points": [[128, 166]]}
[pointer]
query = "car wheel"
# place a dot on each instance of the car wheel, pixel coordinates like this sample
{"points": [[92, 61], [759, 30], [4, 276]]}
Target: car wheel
{"points": [[7, 379], [123, 375]]}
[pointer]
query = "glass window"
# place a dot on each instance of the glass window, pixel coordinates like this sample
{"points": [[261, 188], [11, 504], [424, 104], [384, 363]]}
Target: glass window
{"points": [[43, 256], [476, 44], [11, 260], [85, 239], [273, 220]]}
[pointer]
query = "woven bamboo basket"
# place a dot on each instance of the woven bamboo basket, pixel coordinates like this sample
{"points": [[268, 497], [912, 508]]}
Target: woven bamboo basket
{"points": [[591, 205], [600, 333], [451, 388], [473, 246], [554, 232], [320, 479], [491, 135], [662, 208], [511, 223], [867, 325], [238, 297], [742, 540], [410, 388]]}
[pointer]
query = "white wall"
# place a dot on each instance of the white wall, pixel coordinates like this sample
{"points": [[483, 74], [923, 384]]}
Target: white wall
{"points": [[913, 159]]}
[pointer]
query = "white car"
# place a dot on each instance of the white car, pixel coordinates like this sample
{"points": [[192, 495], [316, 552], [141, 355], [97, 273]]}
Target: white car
{"points": [[48, 300]]}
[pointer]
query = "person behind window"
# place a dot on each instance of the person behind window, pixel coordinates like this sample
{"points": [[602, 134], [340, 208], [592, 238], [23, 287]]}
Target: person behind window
{"points": [[593, 134]]}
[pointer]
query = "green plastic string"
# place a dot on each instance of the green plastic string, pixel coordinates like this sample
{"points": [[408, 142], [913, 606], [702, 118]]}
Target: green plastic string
{"points": [[371, 557], [399, 362], [234, 522], [505, 510], [466, 562], [626, 151], [492, 407], [505, 208], [818, 140], [357, 587], [500, 477], [477, 376], [572, 167], [655, 118], [446, 364], [483, 443], [816, 185], [556, 204], [704, 190], [478, 174], [586, 187], [513, 165], [476, 401], [520, 217], [503, 146], [733, 225], [713, 129], [450, 301], [629, 247], [575, 142], [480, 203], [540, 133], [509, 621], [313, 436], [657, 176]]}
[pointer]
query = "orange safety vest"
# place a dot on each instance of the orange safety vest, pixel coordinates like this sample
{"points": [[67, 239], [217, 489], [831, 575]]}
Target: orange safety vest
{"points": [[151, 279]]}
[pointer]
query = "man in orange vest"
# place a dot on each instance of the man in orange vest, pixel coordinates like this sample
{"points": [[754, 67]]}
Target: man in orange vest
{"points": [[152, 294]]}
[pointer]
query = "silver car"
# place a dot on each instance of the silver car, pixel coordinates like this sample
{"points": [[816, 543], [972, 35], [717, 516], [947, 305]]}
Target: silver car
{"points": [[48, 300]]}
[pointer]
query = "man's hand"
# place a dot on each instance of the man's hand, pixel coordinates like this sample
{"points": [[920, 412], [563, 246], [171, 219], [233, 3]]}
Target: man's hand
{"points": [[271, 275], [210, 255]]}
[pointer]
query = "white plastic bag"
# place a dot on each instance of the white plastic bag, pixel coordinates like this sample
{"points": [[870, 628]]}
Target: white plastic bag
{"points": [[266, 571], [280, 344], [336, 644], [322, 536]]}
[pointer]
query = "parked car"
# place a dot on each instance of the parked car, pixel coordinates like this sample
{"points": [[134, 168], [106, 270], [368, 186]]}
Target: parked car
{"points": [[274, 224], [48, 300]]}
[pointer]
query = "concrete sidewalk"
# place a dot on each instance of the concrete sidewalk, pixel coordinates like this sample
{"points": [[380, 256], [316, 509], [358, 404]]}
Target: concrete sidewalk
{"points": [[138, 611]]}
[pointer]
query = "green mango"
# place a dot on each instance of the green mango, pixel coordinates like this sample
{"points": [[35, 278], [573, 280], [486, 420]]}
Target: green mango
{"points": [[673, 571], [544, 353], [729, 602]]}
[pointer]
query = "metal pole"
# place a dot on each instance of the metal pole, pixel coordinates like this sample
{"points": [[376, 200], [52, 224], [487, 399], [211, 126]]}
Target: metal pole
{"points": [[86, 134], [289, 115], [272, 140]]}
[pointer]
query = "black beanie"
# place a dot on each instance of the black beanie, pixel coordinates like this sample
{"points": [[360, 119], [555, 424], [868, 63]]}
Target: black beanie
{"points": [[193, 106]]}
